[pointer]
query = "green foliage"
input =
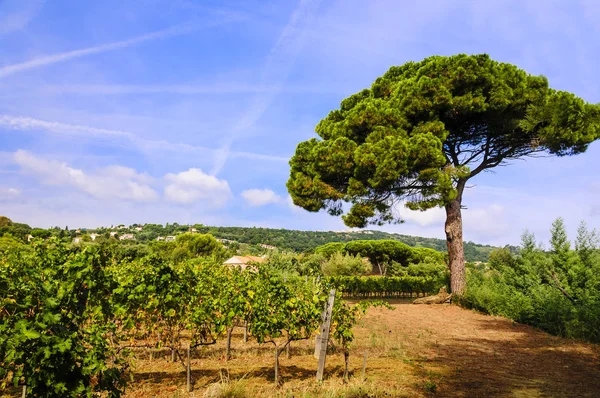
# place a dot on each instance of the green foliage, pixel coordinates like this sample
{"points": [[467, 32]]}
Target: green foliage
{"points": [[346, 265], [284, 262], [56, 322], [197, 245], [284, 308], [18, 230], [5, 222], [390, 286], [310, 264], [558, 291], [424, 269], [424, 128], [329, 249], [70, 313], [286, 239], [9, 243], [384, 254], [246, 240]]}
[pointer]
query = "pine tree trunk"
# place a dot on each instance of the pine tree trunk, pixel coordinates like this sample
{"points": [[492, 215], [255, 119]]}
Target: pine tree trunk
{"points": [[454, 239]]}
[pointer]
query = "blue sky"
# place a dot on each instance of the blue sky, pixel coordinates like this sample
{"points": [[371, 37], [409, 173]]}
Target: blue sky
{"points": [[179, 110]]}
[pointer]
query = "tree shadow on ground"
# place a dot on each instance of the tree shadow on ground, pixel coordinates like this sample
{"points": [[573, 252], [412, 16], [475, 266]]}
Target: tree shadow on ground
{"points": [[508, 359]]}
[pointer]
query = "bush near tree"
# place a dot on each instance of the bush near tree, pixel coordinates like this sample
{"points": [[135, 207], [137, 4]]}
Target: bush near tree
{"points": [[557, 290]]}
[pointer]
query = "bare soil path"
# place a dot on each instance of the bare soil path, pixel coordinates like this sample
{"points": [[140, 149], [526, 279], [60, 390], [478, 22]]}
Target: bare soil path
{"points": [[462, 353]]}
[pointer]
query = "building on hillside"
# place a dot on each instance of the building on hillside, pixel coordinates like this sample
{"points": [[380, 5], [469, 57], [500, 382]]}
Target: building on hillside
{"points": [[94, 236], [77, 239], [160, 238], [113, 234], [225, 240], [170, 238], [243, 262], [270, 247], [193, 230], [29, 238], [127, 237], [139, 229]]}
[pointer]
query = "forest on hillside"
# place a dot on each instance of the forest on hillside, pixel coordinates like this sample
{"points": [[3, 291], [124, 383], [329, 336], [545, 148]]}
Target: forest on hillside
{"points": [[284, 239], [308, 240]]}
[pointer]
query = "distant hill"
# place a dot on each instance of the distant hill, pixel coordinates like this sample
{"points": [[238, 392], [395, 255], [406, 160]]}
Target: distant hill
{"points": [[307, 240], [286, 239]]}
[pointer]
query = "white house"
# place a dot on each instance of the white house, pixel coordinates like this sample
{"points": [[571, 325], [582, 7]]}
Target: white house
{"points": [[170, 238], [139, 229], [270, 247], [77, 239], [243, 262], [94, 236], [160, 238], [127, 237], [113, 233]]}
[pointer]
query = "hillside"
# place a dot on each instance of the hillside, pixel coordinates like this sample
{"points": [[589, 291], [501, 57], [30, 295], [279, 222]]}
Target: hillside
{"points": [[307, 240], [286, 239]]}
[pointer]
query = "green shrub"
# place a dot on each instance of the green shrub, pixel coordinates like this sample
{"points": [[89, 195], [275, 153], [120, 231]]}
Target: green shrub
{"points": [[340, 264], [556, 290]]}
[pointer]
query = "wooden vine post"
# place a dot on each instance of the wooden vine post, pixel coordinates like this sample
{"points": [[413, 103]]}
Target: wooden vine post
{"points": [[228, 346], [189, 370], [323, 337]]}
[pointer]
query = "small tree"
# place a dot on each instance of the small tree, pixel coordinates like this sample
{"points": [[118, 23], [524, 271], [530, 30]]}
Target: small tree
{"points": [[283, 312], [423, 130], [346, 264]]}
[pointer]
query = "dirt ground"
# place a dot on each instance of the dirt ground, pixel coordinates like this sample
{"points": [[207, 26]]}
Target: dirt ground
{"points": [[412, 351]]}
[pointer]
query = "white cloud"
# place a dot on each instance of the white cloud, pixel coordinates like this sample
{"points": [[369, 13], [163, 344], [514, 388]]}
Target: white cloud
{"points": [[488, 223], [261, 197], [31, 124], [16, 14], [114, 182], [7, 193], [194, 185], [65, 56], [435, 216], [28, 124]]}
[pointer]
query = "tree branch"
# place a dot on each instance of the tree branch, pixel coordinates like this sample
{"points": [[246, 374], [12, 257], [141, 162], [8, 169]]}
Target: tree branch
{"points": [[559, 287]]}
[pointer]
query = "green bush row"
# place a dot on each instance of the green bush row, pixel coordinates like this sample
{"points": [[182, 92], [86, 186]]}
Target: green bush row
{"points": [[391, 286]]}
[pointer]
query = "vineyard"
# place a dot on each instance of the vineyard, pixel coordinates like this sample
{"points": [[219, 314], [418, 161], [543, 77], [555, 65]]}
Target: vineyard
{"points": [[73, 320]]}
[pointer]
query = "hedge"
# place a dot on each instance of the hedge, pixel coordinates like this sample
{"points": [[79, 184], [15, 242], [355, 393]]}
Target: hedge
{"points": [[387, 286]]}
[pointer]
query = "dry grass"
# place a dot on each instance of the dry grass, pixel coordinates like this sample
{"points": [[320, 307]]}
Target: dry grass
{"points": [[413, 351]]}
